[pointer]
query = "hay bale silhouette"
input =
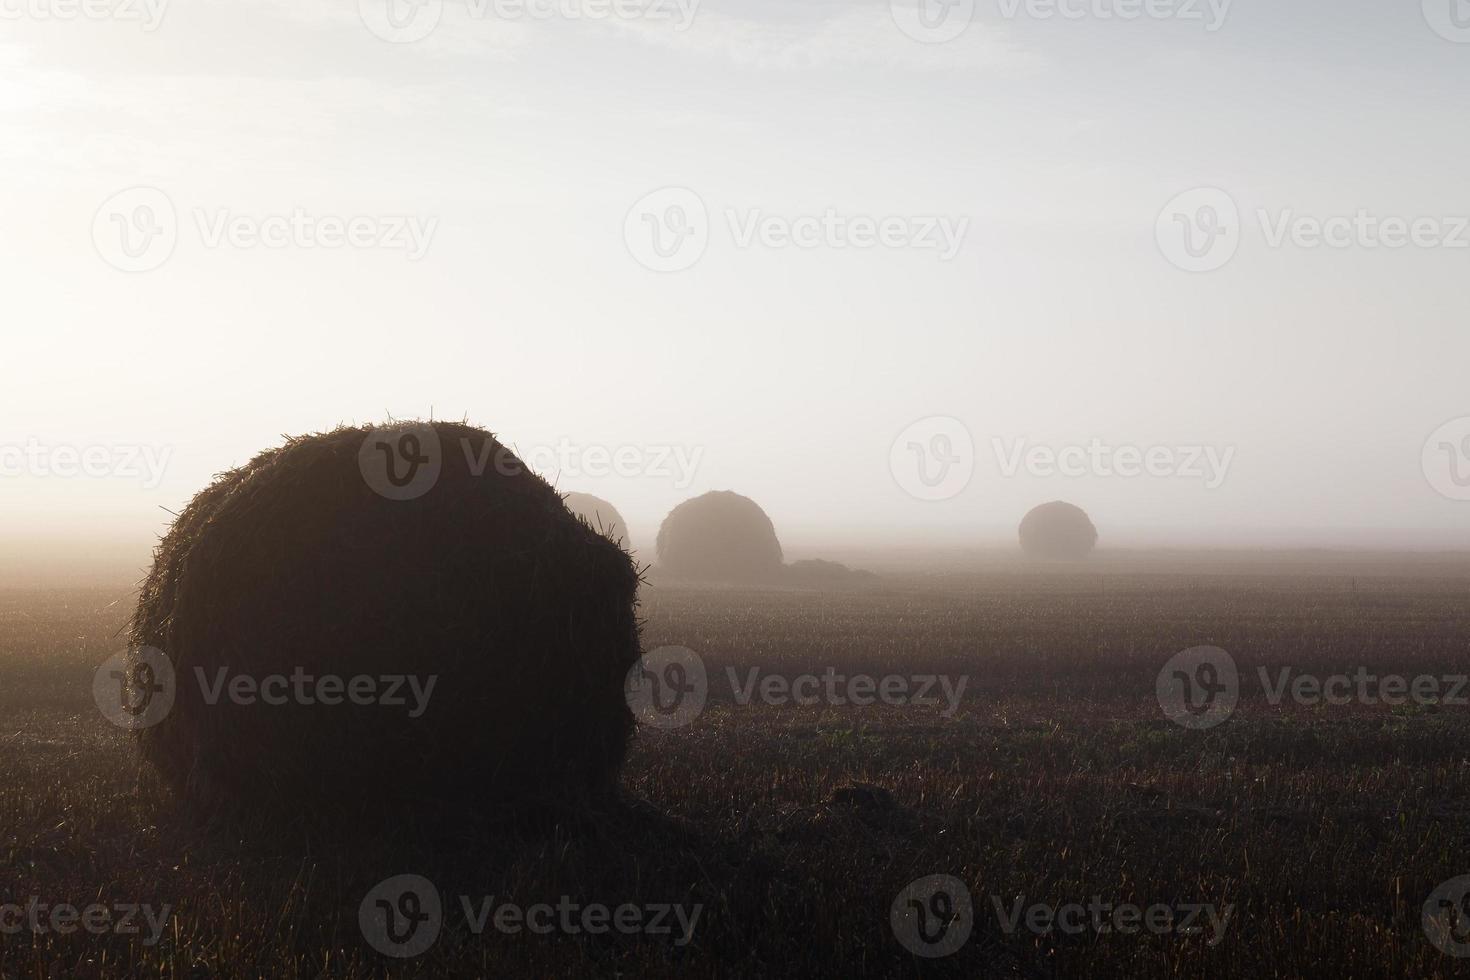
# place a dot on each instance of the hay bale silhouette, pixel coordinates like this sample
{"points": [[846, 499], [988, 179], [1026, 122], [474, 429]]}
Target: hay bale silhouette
{"points": [[1057, 531], [719, 536], [601, 515], [296, 563]]}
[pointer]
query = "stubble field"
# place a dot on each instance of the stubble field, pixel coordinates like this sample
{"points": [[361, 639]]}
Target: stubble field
{"points": [[1290, 839]]}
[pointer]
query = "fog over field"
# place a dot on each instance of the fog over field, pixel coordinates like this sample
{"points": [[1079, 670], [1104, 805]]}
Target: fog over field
{"points": [[508, 168]]}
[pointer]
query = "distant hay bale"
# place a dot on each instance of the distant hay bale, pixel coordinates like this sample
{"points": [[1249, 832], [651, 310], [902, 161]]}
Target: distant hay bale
{"points": [[603, 516], [719, 536], [1057, 531], [298, 563]]}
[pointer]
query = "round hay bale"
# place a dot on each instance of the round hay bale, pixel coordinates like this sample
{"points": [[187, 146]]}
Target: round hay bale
{"points": [[601, 515], [719, 536], [309, 561], [1057, 531]]}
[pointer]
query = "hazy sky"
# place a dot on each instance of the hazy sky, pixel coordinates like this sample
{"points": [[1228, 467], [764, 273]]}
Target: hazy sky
{"points": [[504, 262]]}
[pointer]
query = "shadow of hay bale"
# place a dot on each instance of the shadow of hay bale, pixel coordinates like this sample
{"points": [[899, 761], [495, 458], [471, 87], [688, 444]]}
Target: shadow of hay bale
{"points": [[819, 573], [304, 562]]}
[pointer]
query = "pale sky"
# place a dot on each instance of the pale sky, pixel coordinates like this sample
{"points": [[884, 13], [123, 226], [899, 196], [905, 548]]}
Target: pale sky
{"points": [[516, 148]]}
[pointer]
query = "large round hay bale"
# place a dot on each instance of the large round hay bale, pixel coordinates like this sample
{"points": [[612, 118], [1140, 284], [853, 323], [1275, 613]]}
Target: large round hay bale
{"points": [[601, 515], [720, 536], [1057, 531], [459, 565]]}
